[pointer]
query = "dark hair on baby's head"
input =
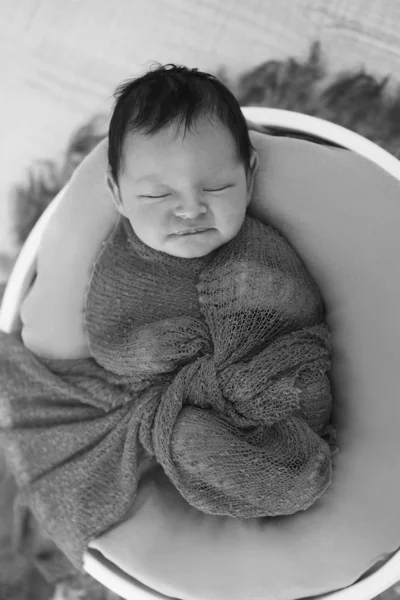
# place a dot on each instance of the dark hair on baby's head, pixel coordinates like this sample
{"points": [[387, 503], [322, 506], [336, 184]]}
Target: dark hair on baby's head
{"points": [[178, 95]]}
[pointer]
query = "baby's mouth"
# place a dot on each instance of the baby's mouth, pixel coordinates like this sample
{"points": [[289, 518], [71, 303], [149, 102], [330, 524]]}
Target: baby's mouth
{"points": [[193, 231]]}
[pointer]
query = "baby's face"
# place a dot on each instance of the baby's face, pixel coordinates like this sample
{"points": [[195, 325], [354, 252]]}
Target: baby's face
{"points": [[170, 183]]}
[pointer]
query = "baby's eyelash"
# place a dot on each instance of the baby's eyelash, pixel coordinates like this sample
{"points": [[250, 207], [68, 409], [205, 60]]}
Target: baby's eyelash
{"points": [[219, 189], [166, 195]]}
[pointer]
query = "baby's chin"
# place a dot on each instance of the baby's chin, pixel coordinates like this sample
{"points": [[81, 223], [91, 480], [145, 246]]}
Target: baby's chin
{"points": [[207, 256], [193, 253]]}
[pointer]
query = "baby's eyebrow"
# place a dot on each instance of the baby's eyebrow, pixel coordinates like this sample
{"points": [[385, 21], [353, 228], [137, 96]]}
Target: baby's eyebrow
{"points": [[148, 177], [155, 178]]}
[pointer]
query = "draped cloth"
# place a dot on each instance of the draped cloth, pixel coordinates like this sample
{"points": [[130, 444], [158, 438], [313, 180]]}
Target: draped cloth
{"points": [[218, 367]]}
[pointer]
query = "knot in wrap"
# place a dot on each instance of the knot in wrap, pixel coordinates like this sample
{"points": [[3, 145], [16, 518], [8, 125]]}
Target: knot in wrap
{"points": [[227, 366]]}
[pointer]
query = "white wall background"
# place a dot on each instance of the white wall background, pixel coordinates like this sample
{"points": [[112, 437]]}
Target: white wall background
{"points": [[60, 60]]}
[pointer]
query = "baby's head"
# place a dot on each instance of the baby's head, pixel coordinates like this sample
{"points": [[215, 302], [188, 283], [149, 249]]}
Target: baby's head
{"points": [[180, 158]]}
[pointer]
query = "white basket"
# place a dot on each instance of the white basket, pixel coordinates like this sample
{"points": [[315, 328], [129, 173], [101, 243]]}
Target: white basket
{"points": [[24, 272]]}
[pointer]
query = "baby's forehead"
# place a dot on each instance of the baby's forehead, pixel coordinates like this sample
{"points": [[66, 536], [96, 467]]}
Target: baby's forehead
{"points": [[163, 152]]}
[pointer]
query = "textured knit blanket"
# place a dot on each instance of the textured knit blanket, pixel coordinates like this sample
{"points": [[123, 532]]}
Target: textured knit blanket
{"points": [[217, 368]]}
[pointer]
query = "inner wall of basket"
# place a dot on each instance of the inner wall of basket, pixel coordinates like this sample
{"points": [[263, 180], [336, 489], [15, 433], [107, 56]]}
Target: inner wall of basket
{"points": [[311, 138]]}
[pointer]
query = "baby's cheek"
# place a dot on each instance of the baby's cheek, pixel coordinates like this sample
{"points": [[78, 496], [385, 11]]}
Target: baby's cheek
{"points": [[229, 217]]}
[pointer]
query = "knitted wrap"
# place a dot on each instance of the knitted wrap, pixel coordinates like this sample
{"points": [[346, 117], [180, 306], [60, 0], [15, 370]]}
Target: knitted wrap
{"points": [[217, 369], [228, 360]]}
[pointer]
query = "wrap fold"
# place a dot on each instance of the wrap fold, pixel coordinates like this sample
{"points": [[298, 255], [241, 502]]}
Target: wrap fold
{"points": [[218, 367]]}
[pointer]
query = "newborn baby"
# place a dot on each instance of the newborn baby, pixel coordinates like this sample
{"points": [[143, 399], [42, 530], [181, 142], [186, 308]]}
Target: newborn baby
{"points": [[183, 177], [205, 313]]}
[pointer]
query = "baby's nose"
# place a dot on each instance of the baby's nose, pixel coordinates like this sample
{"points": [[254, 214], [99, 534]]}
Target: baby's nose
{"points": [[190, 207]]}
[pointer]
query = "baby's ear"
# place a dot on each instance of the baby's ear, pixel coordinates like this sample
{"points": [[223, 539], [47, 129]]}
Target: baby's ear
{"points": [[114, 191], [251, 174]]}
